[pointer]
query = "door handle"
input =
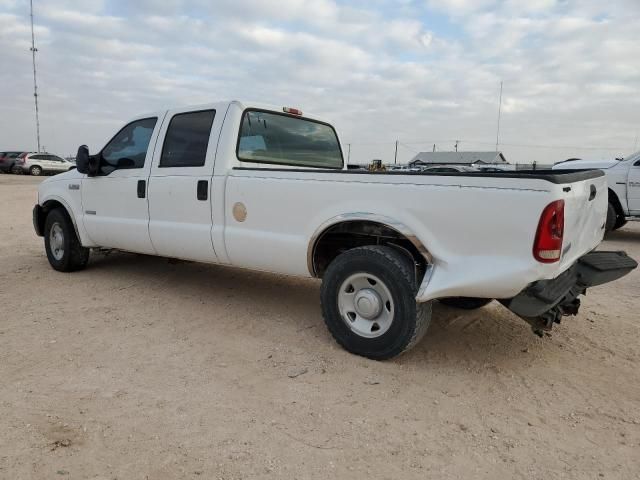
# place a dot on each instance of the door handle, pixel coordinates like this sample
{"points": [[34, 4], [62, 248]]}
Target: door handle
{"points": [[142, 188], [592, 192], [202, 190]]}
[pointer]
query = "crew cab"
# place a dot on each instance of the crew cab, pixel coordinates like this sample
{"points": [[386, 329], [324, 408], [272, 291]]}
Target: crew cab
{"points": [[623, 178], [267, 188]]}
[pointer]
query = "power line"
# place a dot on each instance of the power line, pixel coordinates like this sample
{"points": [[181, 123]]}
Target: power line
{"points": [[467, 141], [528, 145]]}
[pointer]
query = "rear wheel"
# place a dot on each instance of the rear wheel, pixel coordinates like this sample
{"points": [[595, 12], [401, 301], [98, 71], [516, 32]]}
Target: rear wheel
{"points": [[612, 216], [465, 303], [61, 243], [35, 170], [368, 302], [620, 222], [16, 170]]}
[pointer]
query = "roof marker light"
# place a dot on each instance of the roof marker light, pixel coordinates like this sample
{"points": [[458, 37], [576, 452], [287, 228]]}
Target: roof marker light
{"points": [[292, 111]]}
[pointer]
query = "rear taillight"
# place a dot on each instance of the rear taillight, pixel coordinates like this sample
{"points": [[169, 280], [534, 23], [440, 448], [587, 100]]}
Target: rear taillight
{"points": [[547, 247]]}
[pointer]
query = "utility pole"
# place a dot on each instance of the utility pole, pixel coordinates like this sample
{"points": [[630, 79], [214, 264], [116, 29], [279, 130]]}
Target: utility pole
{"points": [[434, 147], [395, 156], [457, 141], [35, 85], [499, 112]]}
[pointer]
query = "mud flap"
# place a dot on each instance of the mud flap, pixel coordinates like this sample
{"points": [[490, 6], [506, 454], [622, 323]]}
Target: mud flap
{"points": [[545, 302]]}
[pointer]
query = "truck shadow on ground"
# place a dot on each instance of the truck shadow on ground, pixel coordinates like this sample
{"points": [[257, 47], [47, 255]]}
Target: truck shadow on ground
{"points": [[624, 235], [490, 334]]}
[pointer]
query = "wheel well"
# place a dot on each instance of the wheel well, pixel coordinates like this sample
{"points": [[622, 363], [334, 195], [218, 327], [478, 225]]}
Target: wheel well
{"points": [[350, 234], [47, 207], [615, 201]]}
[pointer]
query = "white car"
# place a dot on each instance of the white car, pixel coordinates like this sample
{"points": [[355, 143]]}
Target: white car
{"points": [[623, 178], [267, 188], [39, 163], [449, 169]]}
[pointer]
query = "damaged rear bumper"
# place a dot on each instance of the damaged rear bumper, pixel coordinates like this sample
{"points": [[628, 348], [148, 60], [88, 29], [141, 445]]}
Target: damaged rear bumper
{"points": [[545, 302]]}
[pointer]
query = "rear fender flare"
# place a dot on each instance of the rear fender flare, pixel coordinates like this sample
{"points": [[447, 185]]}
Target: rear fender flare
{"points": [[366, 216]]}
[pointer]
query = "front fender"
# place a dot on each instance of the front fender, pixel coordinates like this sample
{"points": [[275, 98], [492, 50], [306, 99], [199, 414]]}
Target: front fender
{"points": [[49, 201]]}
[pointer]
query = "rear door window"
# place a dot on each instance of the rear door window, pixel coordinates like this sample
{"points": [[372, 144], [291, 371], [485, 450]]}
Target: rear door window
{"points": [[270, 137], [186, 140]]}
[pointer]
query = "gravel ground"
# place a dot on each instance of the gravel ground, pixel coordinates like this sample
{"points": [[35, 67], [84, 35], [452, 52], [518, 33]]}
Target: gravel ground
{"points": [[146, 368]]}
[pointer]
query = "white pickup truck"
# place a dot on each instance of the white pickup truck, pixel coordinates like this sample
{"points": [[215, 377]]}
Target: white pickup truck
{"points": [[623, 178], [267, 188]]}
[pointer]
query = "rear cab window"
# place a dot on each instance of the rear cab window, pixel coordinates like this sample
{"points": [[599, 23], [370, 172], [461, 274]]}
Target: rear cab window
{"points": [[282, 139]]}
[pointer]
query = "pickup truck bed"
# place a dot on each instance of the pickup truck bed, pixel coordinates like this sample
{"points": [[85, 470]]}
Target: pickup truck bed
{"points": [[266, 188]]}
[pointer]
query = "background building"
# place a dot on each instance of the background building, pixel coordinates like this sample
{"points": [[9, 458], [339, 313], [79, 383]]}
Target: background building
{"points": [[458, 158]]}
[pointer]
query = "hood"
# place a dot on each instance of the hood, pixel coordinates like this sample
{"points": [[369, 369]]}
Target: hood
{"points": [[585, 164], [69, 175]]}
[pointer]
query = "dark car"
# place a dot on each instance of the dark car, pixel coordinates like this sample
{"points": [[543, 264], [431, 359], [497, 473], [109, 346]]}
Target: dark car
{"points": [[7, 160]]}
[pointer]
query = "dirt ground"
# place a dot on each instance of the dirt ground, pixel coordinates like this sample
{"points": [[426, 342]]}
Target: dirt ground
{"points": [[145, 368]]}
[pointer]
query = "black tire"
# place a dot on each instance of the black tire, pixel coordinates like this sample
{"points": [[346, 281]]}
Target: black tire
{"points": [[74, 256], [409, 320], [16, 170], [35, 171], [612, 216], [620, 222], [465, 303]]}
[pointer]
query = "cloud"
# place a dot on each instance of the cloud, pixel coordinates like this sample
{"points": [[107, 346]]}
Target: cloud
{"points": [[421, 72]]}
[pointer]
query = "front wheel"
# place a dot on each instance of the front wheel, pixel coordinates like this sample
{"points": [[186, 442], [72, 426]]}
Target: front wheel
{"points": [[64, 251], [35, 170], [368, 302]]}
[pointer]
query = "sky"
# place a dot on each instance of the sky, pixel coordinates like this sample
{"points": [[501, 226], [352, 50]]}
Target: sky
{"points": [[420, 72]]}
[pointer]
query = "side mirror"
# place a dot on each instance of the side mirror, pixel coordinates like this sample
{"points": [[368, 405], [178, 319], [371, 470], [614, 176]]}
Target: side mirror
{"points": [[93, 165], [82, 159]]}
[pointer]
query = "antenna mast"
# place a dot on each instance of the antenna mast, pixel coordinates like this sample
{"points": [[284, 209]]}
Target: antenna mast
{"points": [[35, 85], [499, 112]]}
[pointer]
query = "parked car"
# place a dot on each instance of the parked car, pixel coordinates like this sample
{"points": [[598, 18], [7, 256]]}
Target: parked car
{"points": [[39, 163], [266, 188], [404, 168], [623, 177], [490, 169], [449, 169], [7, 159]]}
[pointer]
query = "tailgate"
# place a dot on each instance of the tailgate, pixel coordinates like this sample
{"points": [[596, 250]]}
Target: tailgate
{"points": [[585, 213]]}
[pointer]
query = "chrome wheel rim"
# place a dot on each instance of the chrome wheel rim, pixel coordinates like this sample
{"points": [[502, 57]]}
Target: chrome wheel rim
{"points": [[366, 305], [56, 241]]}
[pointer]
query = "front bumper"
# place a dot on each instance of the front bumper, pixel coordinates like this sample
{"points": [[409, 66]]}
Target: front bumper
{"points": [[38, 220], [545, 302]]}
